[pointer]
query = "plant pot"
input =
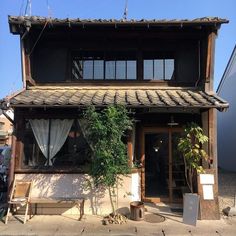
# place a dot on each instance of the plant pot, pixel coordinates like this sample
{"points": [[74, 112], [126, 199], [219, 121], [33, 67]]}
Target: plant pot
{"points": [[137, 210]]}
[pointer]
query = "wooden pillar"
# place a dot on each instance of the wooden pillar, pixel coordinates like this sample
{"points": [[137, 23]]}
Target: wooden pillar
{"points": [[19, 146], [142, 158], [12, 164], [26, 66], [209, 209], [130, 147], [205, 127], [210, 61], [23, 63], [213, 138]]}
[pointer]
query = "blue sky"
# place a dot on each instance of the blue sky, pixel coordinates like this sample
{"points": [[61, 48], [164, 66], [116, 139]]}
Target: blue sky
{"points": [[10, 65]]}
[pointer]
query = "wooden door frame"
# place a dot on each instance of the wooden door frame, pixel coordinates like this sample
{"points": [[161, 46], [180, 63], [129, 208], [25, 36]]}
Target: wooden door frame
{"points": [[150, 130]]}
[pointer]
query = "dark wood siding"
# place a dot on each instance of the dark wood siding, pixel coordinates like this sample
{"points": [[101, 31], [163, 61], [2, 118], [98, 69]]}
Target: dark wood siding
{"points": [[50, 60], [49, 64]]}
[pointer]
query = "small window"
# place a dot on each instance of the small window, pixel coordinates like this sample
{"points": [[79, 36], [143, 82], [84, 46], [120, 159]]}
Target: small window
{"points": [[158, 69]]}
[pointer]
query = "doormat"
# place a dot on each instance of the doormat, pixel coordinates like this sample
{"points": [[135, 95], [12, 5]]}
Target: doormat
{"points": [[154, 218]]}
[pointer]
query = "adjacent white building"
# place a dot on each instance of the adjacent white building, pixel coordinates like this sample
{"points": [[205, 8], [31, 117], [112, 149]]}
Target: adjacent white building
{"points": [[227, 121]]}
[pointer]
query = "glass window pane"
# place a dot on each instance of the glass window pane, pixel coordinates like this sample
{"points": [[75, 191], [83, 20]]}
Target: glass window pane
{"points": [[148, 69], [98, 69], [158, 69], [169, 69], [110, 70], [120, 70], [131, 70], [88, 69]]}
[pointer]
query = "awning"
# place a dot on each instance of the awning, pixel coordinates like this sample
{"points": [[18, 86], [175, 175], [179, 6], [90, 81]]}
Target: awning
{"points": [[127, 96]]}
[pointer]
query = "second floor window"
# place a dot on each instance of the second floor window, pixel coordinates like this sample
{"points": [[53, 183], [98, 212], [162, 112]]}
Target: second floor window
{"points": [[158, 69], [113, 67]]}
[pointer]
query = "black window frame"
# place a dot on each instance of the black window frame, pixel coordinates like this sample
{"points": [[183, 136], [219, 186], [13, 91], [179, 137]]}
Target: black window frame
{"points": [[159, 55], [113, 56]]}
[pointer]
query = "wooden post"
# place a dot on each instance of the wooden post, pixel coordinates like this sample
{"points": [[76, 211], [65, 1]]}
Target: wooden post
{"points": [[210, 61], [19, 146], [212, 116], [142, 158], [170, 162], [130, 147], [23, 63], [205, 127], [10, 178], [209, 209], [26, 66]]}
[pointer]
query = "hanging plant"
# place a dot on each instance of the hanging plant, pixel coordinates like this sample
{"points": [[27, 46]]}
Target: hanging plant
{"points": [[190, 145]]}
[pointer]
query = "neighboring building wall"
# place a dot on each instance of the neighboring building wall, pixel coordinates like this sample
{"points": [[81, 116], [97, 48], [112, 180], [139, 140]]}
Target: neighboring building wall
{"points": [[5, 131], [227, 120]]}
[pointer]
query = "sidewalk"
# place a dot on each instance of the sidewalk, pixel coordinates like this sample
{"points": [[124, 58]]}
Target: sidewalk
{"points": [[91, 225]]}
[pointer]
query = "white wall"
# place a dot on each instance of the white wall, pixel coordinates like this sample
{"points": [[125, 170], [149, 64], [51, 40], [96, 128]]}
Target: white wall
{"points": [[79, 185], [227, 120]]}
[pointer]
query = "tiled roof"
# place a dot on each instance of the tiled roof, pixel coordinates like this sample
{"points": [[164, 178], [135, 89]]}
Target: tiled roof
{"points": [[42, 20], [103, 96]]}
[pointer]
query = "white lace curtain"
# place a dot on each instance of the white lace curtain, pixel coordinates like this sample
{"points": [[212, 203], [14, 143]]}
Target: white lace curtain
{"points": [[59, 130]]}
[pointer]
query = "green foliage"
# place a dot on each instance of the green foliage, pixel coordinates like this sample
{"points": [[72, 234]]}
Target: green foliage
{"points": [[106, 128], [190, 145]]}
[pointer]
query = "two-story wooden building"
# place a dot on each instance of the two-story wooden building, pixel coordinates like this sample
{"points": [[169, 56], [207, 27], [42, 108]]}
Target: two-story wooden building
{"points": [[162, 70]]}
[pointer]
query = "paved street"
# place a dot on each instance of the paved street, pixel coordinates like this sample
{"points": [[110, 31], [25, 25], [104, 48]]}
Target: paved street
{"points": [[91, 225]]}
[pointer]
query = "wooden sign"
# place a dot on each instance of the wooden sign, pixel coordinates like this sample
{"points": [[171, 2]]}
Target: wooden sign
{"points": [[208, 191]]}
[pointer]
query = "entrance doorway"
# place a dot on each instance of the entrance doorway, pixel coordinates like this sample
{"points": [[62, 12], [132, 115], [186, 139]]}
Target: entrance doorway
{"points": [[163, 177]]}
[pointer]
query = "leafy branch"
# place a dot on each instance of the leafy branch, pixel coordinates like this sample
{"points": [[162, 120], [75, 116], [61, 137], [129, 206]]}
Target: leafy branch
{"points": [[190, 145], [106, 128]]}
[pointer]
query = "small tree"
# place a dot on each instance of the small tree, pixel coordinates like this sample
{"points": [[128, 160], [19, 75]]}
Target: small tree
{"points": [[190, 145], [105, 131]]}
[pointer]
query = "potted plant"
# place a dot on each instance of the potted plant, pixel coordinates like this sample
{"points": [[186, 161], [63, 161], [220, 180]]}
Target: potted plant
{"points": [[190, 145]]}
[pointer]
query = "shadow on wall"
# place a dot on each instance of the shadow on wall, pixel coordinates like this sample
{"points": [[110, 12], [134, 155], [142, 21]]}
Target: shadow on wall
{"points": [[67, 186]]}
